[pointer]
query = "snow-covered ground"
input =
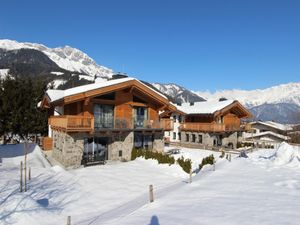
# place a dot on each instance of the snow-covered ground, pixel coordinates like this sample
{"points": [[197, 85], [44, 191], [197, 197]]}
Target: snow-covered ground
{"points": [[262, 189]]}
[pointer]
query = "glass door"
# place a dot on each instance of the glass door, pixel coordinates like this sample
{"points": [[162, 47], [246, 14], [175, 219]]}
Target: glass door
{"points": [[104, 116], [140, 117]]}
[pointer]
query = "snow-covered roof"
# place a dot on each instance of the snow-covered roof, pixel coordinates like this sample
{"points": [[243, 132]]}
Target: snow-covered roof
{"points": [[270, 133], [55, 95], [275, 125], [207, 107]]}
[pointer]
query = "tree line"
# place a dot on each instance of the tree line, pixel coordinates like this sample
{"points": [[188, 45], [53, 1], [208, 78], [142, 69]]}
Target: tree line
{"points": [[19, 113]]}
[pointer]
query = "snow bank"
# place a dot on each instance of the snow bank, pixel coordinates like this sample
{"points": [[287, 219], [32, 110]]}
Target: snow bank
{"points": [[287, 155]]}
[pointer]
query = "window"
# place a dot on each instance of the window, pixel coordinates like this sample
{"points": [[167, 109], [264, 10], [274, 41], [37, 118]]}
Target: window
{"points": [[104, 116], [187, 137], [179, 136], [174, 118], [140, 117], [174, 135], [143, 140], [200, 139], [193, 137], [179, 118]]}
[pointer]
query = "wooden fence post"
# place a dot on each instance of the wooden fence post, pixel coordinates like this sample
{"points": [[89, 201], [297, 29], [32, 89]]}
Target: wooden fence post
{"points": [[25, 169], [21, 176], [69, 220], [214, 165], [230, 157], [29, 174], [191, 172], [151, 196]]}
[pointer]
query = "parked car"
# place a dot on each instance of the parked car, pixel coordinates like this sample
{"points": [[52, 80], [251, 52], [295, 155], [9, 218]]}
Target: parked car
{"points": [[173, 151]]}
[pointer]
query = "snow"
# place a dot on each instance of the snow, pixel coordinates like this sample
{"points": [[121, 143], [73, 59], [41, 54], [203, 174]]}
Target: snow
{"points": [[207, 107], [87, 77], [275, 125], [287, 155], [267, 133], [65, 57], [56, 95], [262, 189], [284, 93], [4, 73], [57, 82], [57, 73]]}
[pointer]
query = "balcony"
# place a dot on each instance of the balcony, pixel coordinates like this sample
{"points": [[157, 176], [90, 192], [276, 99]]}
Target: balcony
{"points": [[70, 123], [209, 127]]}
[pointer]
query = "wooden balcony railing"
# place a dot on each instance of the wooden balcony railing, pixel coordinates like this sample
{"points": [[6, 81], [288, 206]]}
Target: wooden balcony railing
{"points": [[208, 127], [72, 123]]}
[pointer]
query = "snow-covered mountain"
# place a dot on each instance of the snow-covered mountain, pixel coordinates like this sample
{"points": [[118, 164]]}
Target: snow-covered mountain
{"points": [[279, 103], [178, 93], [284, 93], [66, 57]]}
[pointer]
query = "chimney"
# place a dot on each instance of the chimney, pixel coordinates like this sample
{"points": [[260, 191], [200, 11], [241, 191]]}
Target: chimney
{"points": [[119, 76]]}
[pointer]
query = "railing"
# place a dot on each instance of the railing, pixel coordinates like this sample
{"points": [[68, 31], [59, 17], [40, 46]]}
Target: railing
{"points": [[209, 127], [72, 123]]}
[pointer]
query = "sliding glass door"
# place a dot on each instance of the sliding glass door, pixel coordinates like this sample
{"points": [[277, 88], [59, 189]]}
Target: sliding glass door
{"points": [[104, 116], [140, 117]]}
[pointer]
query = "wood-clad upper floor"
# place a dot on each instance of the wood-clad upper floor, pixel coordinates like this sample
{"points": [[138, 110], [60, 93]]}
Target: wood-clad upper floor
{"points": [[211, 116], [123, 105]]}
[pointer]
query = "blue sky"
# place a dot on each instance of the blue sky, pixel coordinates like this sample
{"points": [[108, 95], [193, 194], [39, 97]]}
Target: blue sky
{"points": [[202, 45]]}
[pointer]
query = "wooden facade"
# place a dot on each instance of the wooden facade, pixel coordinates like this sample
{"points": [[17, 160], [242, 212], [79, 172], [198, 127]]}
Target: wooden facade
{"points": [[227, 119], [124, 100]]}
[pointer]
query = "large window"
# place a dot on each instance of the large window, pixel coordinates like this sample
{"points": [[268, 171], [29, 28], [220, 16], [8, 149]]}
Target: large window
{"points": [[187, 137], [193, 137], [140, 117], [174, 135], [179, 136], [200, 139], [104, 116], [144, 141]]}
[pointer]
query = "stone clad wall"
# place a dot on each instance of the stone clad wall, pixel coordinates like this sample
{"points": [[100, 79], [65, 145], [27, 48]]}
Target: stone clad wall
{"points": [[68, 148], [158, 143], [208, 139], [123, 142]]}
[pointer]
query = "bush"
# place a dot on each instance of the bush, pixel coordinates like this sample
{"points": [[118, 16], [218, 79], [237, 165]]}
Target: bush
{"points": [[186, 164], [147, 154], [207, 160]]}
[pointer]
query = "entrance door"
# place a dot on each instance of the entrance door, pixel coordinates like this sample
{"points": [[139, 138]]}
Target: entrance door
{"points": [[95, 150]]}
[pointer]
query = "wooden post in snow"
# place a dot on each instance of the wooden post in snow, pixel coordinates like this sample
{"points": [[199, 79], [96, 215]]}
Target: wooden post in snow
{"points": [[25, 170], [29, 174], [151, 196], [214, 165], [191, 172], [229, 157], [69, 220], [21, 176]]}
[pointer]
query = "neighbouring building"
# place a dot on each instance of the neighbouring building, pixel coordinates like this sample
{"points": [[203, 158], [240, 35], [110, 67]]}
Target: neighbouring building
{"points": [[267, 132], [207, 124], [105, 121]]}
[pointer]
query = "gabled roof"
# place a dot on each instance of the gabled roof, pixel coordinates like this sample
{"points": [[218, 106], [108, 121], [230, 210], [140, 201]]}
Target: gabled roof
{"points": [[213, 107], [91, 90], [274, 125], [269, 133], [55, 95]]}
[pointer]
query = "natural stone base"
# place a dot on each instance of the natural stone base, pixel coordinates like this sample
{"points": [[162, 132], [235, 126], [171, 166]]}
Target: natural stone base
{"points": [[68, 147]]}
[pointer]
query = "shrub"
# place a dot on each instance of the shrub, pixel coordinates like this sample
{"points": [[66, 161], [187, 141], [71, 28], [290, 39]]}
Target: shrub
{"points": [[207, 160], [147, 154], [186, 164]]}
